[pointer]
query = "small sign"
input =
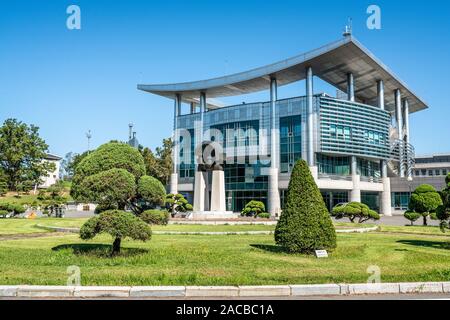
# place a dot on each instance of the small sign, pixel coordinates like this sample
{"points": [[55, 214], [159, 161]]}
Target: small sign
{"points": [[321, 254]]}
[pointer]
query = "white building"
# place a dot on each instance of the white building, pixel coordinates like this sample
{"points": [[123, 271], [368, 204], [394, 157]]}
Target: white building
{"points": [[53, 176]]}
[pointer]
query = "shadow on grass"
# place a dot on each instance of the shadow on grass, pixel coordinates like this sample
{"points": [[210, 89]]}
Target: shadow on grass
{"points": [[427, 243], [98, 250], [270, 248]]}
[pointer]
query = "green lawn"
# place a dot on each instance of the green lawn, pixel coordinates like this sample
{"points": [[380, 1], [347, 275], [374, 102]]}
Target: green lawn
{"points": [[220, 260]]}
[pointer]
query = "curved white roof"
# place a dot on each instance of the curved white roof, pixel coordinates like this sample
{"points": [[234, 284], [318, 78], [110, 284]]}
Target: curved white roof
{"points": [[331, 63]]}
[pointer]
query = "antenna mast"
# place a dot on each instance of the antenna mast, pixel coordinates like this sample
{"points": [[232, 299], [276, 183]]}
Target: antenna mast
{"points": [[348, 28], [89, 136]]}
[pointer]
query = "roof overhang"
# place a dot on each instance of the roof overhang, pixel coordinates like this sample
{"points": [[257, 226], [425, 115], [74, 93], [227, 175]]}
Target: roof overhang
{"points": [[331, 63]]}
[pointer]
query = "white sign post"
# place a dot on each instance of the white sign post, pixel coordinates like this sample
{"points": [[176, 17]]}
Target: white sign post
{"points": [[321, 254]]}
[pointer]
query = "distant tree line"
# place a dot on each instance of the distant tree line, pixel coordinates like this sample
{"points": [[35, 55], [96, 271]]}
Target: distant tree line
{"points": [[22, 155]]}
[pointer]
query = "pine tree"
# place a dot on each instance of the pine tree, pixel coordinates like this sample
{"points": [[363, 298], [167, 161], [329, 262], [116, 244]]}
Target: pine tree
{"points": [[305, 224]]}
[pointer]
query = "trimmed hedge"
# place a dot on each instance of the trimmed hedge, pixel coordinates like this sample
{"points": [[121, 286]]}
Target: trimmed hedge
{"points": [[305, 224], [354, 210], [158, 217]]}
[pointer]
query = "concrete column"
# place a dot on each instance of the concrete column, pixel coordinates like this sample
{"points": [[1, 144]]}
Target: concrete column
{"points": [[398, 112], [309, 108], [406, 136], [192, 107], [200, 182], [274, 207], [350, 87], [355, 193], [383, 166], [199, 191], [218, 191], [380, 94], [385, 205], [175, 155]]}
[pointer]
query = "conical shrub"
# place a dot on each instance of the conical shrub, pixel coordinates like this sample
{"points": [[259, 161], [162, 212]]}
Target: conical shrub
{"points": [[305, 224]]}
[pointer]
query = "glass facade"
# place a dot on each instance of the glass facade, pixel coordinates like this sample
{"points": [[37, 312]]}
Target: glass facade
{"points": [[290, 142], [400, 200], [341, 129], [332, 198], [372, 199], [329, 165]]}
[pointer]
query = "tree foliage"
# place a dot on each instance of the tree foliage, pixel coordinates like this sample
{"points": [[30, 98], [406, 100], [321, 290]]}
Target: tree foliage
{"points": [[253, 208], [353, 211], [443, 212], [305, 224], [176, 203], [119, 225], [425, 200], [113, 176], [159, 164], [412, 216], [158, 217], [22, 152]]}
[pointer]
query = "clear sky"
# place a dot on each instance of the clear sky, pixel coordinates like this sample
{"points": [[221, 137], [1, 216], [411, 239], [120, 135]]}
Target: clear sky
{"points": [[68, 81]]}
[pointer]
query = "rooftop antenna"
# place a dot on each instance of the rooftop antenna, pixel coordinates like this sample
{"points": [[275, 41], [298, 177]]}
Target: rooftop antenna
{"points": [[130, 131], [348, 28], [89, 136]]}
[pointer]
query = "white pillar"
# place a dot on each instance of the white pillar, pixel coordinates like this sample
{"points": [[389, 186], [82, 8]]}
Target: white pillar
{"points": [[350, 87], [385, 205], [273, 205], [175, 155], [192, 107], [406, 137], [218, 191], [310, 115], [199, 191], [200, 182], [355, 193], [398, 110]]}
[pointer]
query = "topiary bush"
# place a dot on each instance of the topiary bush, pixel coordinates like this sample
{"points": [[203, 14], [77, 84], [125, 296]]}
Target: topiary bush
{"points": [[264, 215], [443, 211], [253, 208], [3, 213], [118, 224], [152, 191], [425, 200], [412, 216], [305, 224], [158, 217], [176, 203], [353, 211]]}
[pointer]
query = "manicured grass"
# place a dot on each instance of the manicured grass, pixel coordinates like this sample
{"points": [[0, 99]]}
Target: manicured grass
{"points": [[222, 260], [425, 230]]}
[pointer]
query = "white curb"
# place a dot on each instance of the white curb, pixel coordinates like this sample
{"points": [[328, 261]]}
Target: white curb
{"points": [[8, 291], [212, 291], [421, 287], [315, 289], [155, 291], [46, 291], [102, 292], [373, 288], [261, 291]]}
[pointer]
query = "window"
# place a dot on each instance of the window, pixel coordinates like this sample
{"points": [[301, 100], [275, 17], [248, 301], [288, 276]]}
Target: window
{"points": [[417, 173], [290, 142], [400, 200], [374, 137], [340, 132], [430, 173], [437, 172], [333, 165], [444, 172]]}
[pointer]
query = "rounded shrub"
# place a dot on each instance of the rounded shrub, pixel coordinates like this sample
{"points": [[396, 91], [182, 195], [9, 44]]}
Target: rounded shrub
{"points": [[264, 215], [253, 208], [3, 213], [412, 216], [355, 210], [305, 224], [158, 217], [118, 224], [425, 200], [152, 191]]}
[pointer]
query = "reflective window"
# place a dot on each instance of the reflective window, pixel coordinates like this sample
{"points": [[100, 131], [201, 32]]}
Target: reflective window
{"points": [[290, 142]]}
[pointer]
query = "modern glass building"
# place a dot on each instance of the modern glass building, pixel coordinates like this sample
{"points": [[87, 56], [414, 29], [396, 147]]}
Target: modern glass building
{"points": [[353, 144]]}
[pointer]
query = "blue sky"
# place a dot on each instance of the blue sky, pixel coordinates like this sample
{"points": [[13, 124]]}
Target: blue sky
{"points": [[69, 81]]}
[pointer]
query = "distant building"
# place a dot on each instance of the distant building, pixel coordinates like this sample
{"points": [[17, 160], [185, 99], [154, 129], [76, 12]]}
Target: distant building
{"points": [[132, 140], [53, 176], [430, 169]]}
